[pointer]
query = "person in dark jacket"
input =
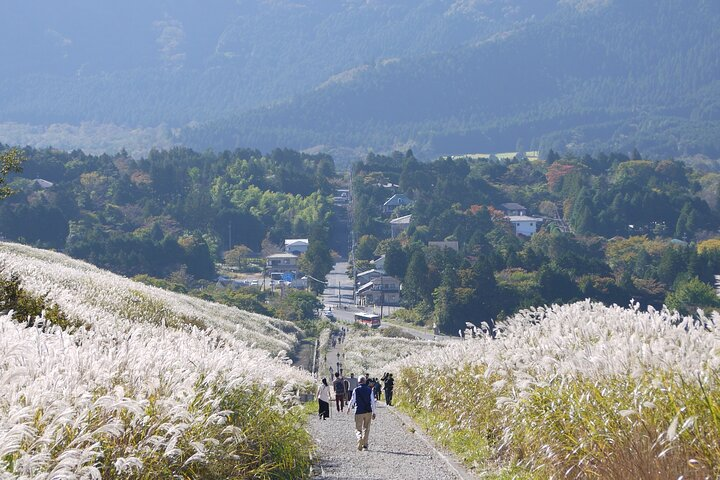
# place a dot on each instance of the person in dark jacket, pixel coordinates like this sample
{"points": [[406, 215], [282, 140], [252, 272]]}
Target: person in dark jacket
{"points": [[389, 384], [340, 392], [363, 401]]}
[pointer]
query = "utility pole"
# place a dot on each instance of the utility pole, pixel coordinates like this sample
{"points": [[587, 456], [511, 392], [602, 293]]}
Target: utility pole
{"points": [[339, 297], [354, 270], [352, 237], [382, 297]]}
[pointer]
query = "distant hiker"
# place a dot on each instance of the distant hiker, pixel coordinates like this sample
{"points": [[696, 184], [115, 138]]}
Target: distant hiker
{"points": [[376, 389], [339, 387], [363, 401], [389, 384], [353, 382], [323, 397]]}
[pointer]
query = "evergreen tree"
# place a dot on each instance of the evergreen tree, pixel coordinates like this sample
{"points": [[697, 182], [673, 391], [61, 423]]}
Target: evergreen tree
{"points": [[555, 285], [552, 157], [416, 285], [317, 261], [395, 260], [446, 303]]}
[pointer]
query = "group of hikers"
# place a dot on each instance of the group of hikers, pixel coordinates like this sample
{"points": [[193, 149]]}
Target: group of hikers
{"points": [[360, 395]]}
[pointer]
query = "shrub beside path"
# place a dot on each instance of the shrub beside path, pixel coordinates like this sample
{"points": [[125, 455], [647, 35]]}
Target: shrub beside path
{"points": [[396, 450]]}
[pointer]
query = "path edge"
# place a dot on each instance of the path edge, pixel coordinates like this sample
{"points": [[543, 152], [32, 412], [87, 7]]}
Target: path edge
{"points": [[455, 465]]}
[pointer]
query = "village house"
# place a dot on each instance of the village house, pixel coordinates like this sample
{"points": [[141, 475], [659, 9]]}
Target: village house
{"points": [[513, 209], [451, 244], [39, 182], [379, 263], [368, 275], [296, 246], [342, 197], [282, 263], [397, 200], [399, 225], [524, 225], [380, 291]]}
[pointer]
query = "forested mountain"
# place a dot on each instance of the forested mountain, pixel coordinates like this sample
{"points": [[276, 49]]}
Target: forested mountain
{"points": [[144, 63], [618, 75], [440, 76]]}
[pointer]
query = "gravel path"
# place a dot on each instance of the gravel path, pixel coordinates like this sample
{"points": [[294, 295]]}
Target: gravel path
{"points": [[395, 452]]}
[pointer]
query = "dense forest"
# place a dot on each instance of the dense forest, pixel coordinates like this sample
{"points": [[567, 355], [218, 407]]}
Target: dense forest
{"points": [[614, 228], [176, 210]]}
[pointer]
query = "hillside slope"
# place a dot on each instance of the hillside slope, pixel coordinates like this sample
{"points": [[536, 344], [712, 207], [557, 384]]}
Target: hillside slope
{"points": [[153, 385], [185, 62], [611, 75]]}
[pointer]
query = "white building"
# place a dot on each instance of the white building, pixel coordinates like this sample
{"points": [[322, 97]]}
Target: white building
{"points": [[282, 263], [399, 225], [296, 246], [526, 226], [43, 183]]}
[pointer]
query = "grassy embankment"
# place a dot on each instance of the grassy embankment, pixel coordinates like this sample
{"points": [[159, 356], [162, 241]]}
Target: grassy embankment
{"points": [[120, 380], [579, 391]]}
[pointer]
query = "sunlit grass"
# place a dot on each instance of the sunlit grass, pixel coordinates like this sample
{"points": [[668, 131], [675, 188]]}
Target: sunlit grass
{"points": [[579, 391], [153, 386]]}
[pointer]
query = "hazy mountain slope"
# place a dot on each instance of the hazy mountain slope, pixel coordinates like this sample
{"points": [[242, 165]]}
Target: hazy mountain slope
{"points": [[139, 63], [593, 75]]}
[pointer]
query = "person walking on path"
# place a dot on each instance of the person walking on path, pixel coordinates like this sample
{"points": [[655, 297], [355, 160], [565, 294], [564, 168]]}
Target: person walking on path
{"points": [[323, 397], [339, 387], [389, 384], [363, 401], [353, 382]]}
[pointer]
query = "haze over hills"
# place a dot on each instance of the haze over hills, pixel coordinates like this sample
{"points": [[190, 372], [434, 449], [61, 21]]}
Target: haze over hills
{"points": [[438, 76]]}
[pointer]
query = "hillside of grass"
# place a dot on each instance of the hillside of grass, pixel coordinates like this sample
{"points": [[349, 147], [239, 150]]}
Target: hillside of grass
{"points": [[140, 383], [576, 391]]}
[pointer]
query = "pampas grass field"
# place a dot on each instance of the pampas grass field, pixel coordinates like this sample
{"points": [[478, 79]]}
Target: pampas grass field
{"points": [[576, 391], [150, 385], [142, 383]]}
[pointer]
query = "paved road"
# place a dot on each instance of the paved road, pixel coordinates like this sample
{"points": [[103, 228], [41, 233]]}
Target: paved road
{"points": [[338, 278], [339, 296]]}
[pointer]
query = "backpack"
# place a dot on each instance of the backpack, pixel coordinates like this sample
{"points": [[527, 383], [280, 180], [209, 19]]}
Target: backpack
{"points": [[339, 386]]}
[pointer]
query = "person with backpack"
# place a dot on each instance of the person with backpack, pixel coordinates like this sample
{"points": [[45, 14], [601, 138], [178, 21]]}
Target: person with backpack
{"points": [[340, 392], [363, 401]]}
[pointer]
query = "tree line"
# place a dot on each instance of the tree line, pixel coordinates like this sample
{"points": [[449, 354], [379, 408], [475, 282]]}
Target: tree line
{"points": [[175, 210], [615, 227]]}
